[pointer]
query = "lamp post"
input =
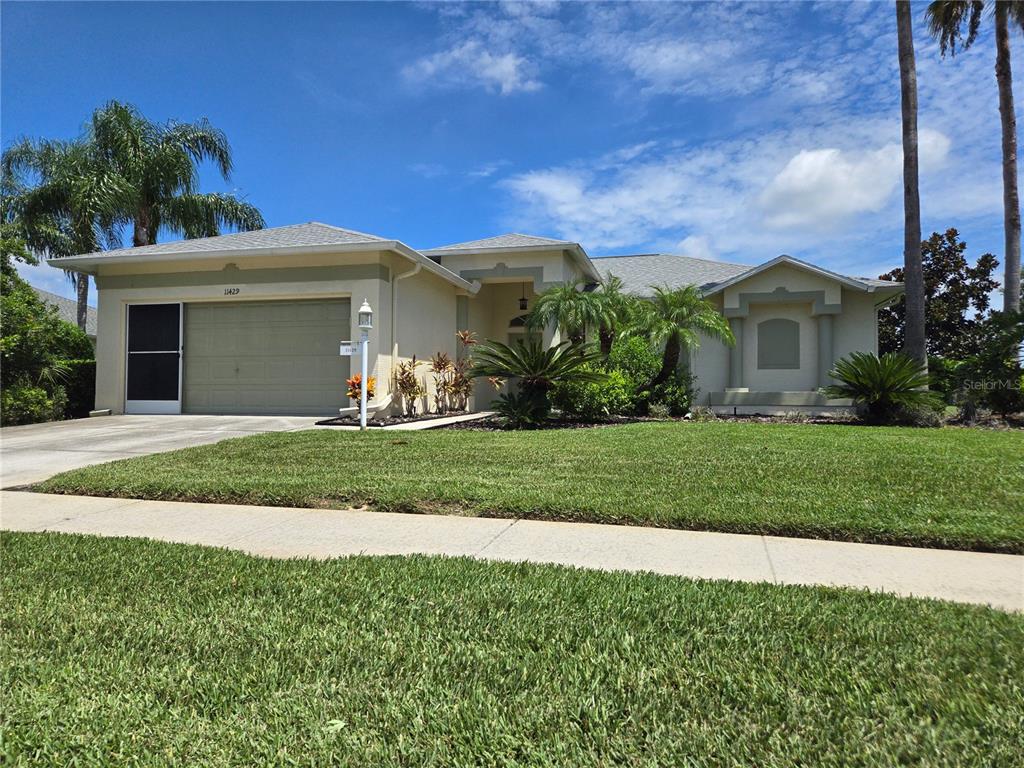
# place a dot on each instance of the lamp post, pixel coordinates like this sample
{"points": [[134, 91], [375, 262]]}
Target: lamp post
{"points": [[365, 324]]}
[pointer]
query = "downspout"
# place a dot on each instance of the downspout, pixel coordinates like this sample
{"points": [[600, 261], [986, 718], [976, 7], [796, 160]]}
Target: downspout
{"points": [[394, 310]]}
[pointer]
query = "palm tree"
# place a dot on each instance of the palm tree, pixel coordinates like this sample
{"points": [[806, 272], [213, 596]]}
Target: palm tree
{"points": [[676, 318], [573, 309], [913, 270], [65, 199], [946, 21], [161, 164], [620, 308]]}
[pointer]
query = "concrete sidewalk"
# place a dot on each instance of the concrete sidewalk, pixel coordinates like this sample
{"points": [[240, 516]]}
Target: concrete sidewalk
{"points": [[967, 577]]}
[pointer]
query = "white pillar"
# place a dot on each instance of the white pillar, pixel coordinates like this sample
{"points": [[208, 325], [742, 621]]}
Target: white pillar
{"points": [[736, 354], [824, 349]]}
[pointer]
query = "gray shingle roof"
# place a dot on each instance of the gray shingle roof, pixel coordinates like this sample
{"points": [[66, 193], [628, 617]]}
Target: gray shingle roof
{"points": [[67, 310], [510, 240], [639, 273], [295, 235]]}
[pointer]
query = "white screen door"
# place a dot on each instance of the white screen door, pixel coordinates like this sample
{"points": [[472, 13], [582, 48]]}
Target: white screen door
{"points": [[153, 375]]}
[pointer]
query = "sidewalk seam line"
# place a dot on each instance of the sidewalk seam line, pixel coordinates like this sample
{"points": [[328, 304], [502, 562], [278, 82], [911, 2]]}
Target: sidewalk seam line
{"points": [[768, 557], [497, 536]]}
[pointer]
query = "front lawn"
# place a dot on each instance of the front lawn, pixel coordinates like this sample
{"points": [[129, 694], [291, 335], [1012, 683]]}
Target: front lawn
{"points": [[123, 652], [952, 488]]}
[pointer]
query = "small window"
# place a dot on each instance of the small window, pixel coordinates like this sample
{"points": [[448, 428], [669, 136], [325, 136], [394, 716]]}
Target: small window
{"points": [[778, 345]]}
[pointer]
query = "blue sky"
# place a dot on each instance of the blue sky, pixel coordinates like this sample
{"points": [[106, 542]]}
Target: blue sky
{"points": [[734, 132]]}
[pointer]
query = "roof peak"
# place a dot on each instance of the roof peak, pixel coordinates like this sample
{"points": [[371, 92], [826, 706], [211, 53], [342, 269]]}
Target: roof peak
{"points": [[507, 240]]}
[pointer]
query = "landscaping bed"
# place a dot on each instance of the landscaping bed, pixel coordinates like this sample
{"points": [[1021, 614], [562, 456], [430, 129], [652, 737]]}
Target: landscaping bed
{"points": [[377, 420], [952, 488], [119, 651]]}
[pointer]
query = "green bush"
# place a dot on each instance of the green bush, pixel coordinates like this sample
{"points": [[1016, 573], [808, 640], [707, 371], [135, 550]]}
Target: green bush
{"points": [[595, 400], [41, 357], [521, 410], [676, 395], [80, 385], [27, 404], [634, 357], [946, 377]]}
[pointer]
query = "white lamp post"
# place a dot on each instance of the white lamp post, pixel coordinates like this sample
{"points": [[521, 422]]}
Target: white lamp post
{"points": [[365, 324]]}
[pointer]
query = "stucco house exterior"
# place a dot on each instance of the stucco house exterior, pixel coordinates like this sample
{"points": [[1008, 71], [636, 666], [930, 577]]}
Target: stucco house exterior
{"points": [[250, 323]]}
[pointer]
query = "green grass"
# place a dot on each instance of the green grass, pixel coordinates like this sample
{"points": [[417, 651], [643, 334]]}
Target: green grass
{"points": [[951, 488], [121, 652]]}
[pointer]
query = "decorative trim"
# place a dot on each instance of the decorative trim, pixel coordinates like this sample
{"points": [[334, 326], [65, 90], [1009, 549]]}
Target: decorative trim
{"points": [[232, 274], [536, 274], [782, 295]]}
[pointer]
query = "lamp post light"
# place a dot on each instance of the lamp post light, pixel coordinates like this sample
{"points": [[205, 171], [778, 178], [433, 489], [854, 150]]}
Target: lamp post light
{"points": [[365, 324]]}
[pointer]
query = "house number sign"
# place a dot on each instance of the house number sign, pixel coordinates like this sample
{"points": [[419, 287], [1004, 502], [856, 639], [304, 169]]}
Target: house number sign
{"points": [[232, 291]]}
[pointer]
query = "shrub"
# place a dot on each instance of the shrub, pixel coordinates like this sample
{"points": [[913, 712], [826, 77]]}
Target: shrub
{"points": [[80, 386], [595, 399], [634, 357], [27, 404], [520, 410], [407, 385], [675, 394], [882, 387], [994, 377], [946, 377]]}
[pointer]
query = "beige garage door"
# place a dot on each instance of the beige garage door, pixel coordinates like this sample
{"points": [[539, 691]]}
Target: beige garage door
{"points": [[274, 357]]}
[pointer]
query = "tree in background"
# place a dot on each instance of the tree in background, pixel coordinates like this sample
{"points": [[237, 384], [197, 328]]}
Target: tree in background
{"points": [[914, 344], [957, 299], [75, 197], [161, 166], [63, 199], [947, 20]]}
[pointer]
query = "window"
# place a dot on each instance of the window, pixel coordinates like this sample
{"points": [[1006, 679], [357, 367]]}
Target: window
{"points": [[778, 344]]}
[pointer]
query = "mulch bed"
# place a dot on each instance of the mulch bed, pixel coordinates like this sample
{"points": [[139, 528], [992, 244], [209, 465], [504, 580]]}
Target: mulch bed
{"points": [[386, 421]]}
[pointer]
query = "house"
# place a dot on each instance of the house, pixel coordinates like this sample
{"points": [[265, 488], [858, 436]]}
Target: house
{"points": [[250, 323], [67, 310]]}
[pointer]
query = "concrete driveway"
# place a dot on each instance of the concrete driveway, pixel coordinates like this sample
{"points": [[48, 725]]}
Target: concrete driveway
{"points": [[34, 452]]}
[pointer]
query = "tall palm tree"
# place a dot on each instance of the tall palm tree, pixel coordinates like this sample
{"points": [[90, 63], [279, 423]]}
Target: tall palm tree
{"points": [[573, 309], [947, 20], [161, 163], [913, 270], [65, 199], [676, 318]]}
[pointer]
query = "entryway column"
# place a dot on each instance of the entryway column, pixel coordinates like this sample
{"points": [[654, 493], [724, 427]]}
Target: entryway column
{"points": [[736, 354], [824, 349]]}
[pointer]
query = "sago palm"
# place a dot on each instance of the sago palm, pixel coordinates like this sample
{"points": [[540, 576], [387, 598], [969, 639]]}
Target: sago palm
{"points": [[571, 308], [537, 368], [677, 318], [881, 385], [947, 21], [161, 164]]}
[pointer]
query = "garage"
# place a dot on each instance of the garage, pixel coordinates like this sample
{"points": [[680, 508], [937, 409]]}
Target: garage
{"points": [[265, 357]]}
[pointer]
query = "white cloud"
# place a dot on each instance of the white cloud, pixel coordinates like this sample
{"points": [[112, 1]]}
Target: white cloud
{"points": [[820, 189], [470, 63]]}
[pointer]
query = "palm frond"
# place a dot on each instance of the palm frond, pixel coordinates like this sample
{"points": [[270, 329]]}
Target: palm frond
{"points": [[206, 215], [947, 20]]}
